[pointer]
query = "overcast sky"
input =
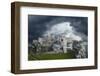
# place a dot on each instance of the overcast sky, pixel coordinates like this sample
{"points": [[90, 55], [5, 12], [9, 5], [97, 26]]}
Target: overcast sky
{"points": [[39, 24]]}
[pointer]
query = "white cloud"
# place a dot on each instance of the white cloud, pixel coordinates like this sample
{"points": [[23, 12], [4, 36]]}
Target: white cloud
{"points": [[66, 29]]}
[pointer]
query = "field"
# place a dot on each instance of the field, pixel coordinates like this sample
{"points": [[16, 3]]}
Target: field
{"points": [[51, 56]]}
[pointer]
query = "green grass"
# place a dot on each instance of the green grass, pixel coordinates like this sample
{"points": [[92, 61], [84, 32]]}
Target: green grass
{"points": [[51, 56]]}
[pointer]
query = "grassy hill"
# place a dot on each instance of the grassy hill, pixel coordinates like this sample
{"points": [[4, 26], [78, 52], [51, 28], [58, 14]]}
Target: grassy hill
{"points": [[51, 56]]}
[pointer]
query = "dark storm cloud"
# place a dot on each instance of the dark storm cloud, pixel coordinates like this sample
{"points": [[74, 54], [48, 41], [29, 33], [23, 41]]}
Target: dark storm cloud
{"points": [[38, 24]]}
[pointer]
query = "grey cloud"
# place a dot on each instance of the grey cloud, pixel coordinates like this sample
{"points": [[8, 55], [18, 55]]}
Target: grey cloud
{"points": [[38, 24]]}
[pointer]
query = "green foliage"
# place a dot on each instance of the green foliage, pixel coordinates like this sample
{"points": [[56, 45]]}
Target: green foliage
{"points": [[51, 56]]}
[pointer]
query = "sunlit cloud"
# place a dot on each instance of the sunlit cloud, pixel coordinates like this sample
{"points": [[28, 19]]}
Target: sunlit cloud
{"points": [[66, 29]]}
